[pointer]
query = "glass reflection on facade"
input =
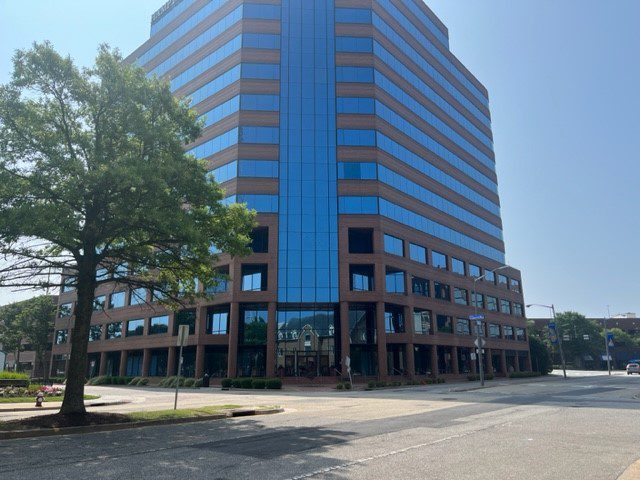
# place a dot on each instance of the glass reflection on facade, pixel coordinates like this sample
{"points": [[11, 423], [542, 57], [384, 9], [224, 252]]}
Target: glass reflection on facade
{"points": [[306, 343], [308, 220]]}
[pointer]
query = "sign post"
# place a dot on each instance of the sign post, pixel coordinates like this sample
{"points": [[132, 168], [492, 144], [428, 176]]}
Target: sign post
{"points": [[183, 335], [479, 344]]}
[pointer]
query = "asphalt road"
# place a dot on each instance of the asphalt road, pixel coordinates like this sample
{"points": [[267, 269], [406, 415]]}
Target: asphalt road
{"points": [[583, 428]]}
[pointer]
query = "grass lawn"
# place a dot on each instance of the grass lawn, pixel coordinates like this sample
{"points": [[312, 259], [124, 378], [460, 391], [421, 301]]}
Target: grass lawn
{"points": [[46, 399], [180, 413], [93, 418]]}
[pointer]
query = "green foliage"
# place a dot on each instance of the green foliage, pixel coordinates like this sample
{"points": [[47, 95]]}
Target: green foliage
{"points": [[246, 383], [541, 359], [236, 383], [100, 380], [189, 382], [14, 376], [30, 321], [274, 384], [343, 386], [259, 383], [226, 383], [475, 377], [93, 173], [576, 325], [114, 380], [340, 386]]}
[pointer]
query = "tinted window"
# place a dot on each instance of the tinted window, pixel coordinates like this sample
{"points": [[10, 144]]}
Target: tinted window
{"points": [[254, 278], [421, 321], [460, 296], [439, 260], [360, 240], [116, 300], [395, 281], [417, 253], [218, 321], [135, 327], [393, 245], [444, 324], [394, 319], [420, 286], [158, 325], [114, 330], [361, 278], [260, 240], [457, 266], [442, 291]]}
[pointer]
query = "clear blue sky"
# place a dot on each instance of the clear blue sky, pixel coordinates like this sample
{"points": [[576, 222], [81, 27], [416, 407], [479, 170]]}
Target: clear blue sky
{"points": [[564, 84]]}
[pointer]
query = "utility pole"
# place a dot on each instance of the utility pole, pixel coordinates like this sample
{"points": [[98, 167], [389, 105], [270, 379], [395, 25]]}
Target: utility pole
{"points": [[564, 365], [606, 340]]}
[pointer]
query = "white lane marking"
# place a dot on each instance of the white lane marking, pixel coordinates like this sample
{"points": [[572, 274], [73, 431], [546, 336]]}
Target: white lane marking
{"points": [[388, 454]]}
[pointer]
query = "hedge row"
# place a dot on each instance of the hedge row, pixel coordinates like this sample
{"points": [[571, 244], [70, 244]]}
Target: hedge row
{"points": [[13, 376], [255, 383], [344, 386], [170, 382], [373, 384], [139, 381], [109, 380]]}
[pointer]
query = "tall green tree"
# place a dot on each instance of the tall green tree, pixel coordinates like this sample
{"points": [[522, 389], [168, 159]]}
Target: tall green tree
{"points": [[36, 319], [578, 347], [93, 173], [11, 335]]}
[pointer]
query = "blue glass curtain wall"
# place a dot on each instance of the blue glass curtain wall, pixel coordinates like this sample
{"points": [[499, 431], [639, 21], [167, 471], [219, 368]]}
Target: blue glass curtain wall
{"points": [[308, 218]]}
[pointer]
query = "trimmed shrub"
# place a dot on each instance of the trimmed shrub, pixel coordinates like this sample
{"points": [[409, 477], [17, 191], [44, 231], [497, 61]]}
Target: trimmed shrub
{"points": [[198, 383], [340, 386], [440, 380], [347, 385], [246, 383], [189, 382], [101, 380], [274, 384], [14, 376], [259, 383], [227, 383], [235, 383]]}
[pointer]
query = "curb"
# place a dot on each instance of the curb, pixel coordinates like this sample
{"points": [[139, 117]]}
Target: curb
{"points": [[123, 426], [40, 409]]}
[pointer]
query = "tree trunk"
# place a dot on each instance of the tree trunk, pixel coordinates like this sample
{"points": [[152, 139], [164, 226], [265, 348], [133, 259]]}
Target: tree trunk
{"points": [[16, 361], [73, 402]]}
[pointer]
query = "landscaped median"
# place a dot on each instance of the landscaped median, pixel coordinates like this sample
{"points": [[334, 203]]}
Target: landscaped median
{"points": [[96, 422], [28, 394]]}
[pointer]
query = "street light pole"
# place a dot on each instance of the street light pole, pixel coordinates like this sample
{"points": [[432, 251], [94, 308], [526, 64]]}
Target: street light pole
{"points": [[558, 333], [479, 323], [606, 341], [564, 365]]}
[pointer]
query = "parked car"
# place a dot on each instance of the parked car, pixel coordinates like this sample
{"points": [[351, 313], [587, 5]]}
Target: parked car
{"points": [[633, 368]]}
